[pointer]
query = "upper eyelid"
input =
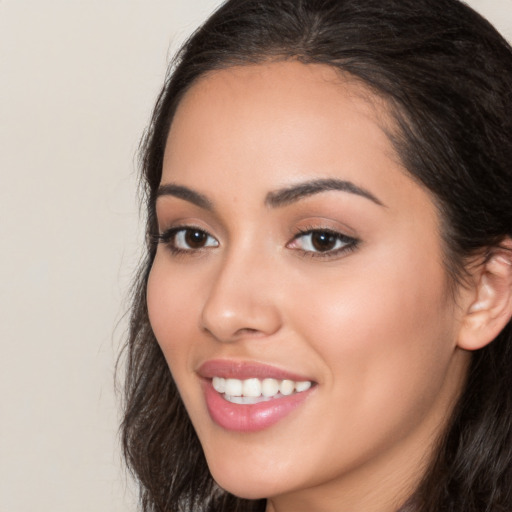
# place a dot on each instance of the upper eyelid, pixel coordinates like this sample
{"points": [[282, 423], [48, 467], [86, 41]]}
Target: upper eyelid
{"points": [[183, 227], [170, 218], [342, 232], [307, 231], [216, 223], [335, 233], [183, 223], [176, 229]]}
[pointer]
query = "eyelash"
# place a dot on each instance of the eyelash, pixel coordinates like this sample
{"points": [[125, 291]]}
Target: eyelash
{"points": [[168, 238], [349, 244]]}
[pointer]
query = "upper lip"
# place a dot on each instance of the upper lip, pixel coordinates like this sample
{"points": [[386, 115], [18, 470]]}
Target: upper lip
{"points": [[231, 369]]}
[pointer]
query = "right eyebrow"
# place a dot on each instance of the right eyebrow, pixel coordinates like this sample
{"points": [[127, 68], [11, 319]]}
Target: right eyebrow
{"points": [[294, 193], [185, 193]]}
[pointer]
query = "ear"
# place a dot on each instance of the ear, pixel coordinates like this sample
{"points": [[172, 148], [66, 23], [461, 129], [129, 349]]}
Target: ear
{"points": [[490, 308]]}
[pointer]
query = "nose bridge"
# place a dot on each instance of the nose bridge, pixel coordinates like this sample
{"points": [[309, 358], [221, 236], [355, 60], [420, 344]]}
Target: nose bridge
{"points": [[241, 299]]}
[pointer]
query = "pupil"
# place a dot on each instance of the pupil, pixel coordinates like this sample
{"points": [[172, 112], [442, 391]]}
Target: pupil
{"points": [[195, 239], [323, 241]]}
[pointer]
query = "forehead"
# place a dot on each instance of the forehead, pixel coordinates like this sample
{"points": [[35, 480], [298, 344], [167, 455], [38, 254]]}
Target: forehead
{"points": [[285, 91], [287, 120]]}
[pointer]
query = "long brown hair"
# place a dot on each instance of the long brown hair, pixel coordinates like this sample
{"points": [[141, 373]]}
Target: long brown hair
{"points": [[447, 76]]}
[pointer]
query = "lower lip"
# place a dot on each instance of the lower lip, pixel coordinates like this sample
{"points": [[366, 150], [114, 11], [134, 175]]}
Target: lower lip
{"points": [[250, 417]]}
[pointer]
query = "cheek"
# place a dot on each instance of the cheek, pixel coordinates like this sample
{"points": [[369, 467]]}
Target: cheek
{"points": [[170, 309], [387, 338], [172, 303]]}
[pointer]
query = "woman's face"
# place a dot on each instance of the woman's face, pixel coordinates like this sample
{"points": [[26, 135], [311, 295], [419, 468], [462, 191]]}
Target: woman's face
{"points": [[300, 271]]}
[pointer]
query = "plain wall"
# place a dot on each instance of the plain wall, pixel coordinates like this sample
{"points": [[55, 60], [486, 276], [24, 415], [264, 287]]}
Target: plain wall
{"points": [[77, 83]]}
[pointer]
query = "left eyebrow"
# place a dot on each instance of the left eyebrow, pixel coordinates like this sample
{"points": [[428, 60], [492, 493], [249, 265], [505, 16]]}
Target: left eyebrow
{"points": [[294, 193], [185, 193]]}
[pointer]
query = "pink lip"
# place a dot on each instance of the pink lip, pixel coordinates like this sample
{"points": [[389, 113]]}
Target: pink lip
{"points": [[248, 417], [245, 370]]}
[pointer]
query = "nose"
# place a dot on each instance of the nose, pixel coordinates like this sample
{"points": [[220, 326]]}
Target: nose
{"points": [[242, 301]]}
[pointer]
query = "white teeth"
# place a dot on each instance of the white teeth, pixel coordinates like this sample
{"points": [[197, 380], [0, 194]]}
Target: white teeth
{"points": [[245, 399], [287, 387], [233, 387], [219, 384], [269, 387], [302, 386], [250, 391], [251, 387]]}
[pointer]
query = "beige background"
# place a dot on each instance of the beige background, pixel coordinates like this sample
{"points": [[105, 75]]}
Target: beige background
{"points": [[77, 82]]}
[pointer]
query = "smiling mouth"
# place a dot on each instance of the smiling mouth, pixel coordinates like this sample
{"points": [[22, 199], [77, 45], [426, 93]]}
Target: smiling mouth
{"points": [[254, 390], [247, 396]]}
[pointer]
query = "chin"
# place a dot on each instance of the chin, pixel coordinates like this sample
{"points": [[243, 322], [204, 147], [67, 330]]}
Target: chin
{"points": [[247, 484], [246, 488]]}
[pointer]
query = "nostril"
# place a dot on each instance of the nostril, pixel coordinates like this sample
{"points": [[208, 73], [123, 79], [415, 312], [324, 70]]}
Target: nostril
{"points": [[248, 331]]}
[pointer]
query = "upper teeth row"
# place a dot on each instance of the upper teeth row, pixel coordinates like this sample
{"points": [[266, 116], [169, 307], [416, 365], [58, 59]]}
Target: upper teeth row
{"points": [[256, 387]]}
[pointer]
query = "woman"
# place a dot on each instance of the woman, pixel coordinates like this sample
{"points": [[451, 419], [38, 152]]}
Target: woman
{"points": [[323, 319]]}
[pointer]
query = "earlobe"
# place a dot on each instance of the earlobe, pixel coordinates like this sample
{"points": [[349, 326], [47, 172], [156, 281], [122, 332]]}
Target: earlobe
{"points": [[491, 308]]}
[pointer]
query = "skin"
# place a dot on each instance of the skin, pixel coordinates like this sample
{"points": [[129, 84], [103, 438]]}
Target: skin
{"points": [[373, 326]]}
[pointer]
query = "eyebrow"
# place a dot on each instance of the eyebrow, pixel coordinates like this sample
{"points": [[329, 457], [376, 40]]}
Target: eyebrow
{"points": [[294, 193], [186, 194], [276, 199]]}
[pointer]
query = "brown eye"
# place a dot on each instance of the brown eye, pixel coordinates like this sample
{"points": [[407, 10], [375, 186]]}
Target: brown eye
{"points": [[323, 241], [195, 239], [187, 239]]}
